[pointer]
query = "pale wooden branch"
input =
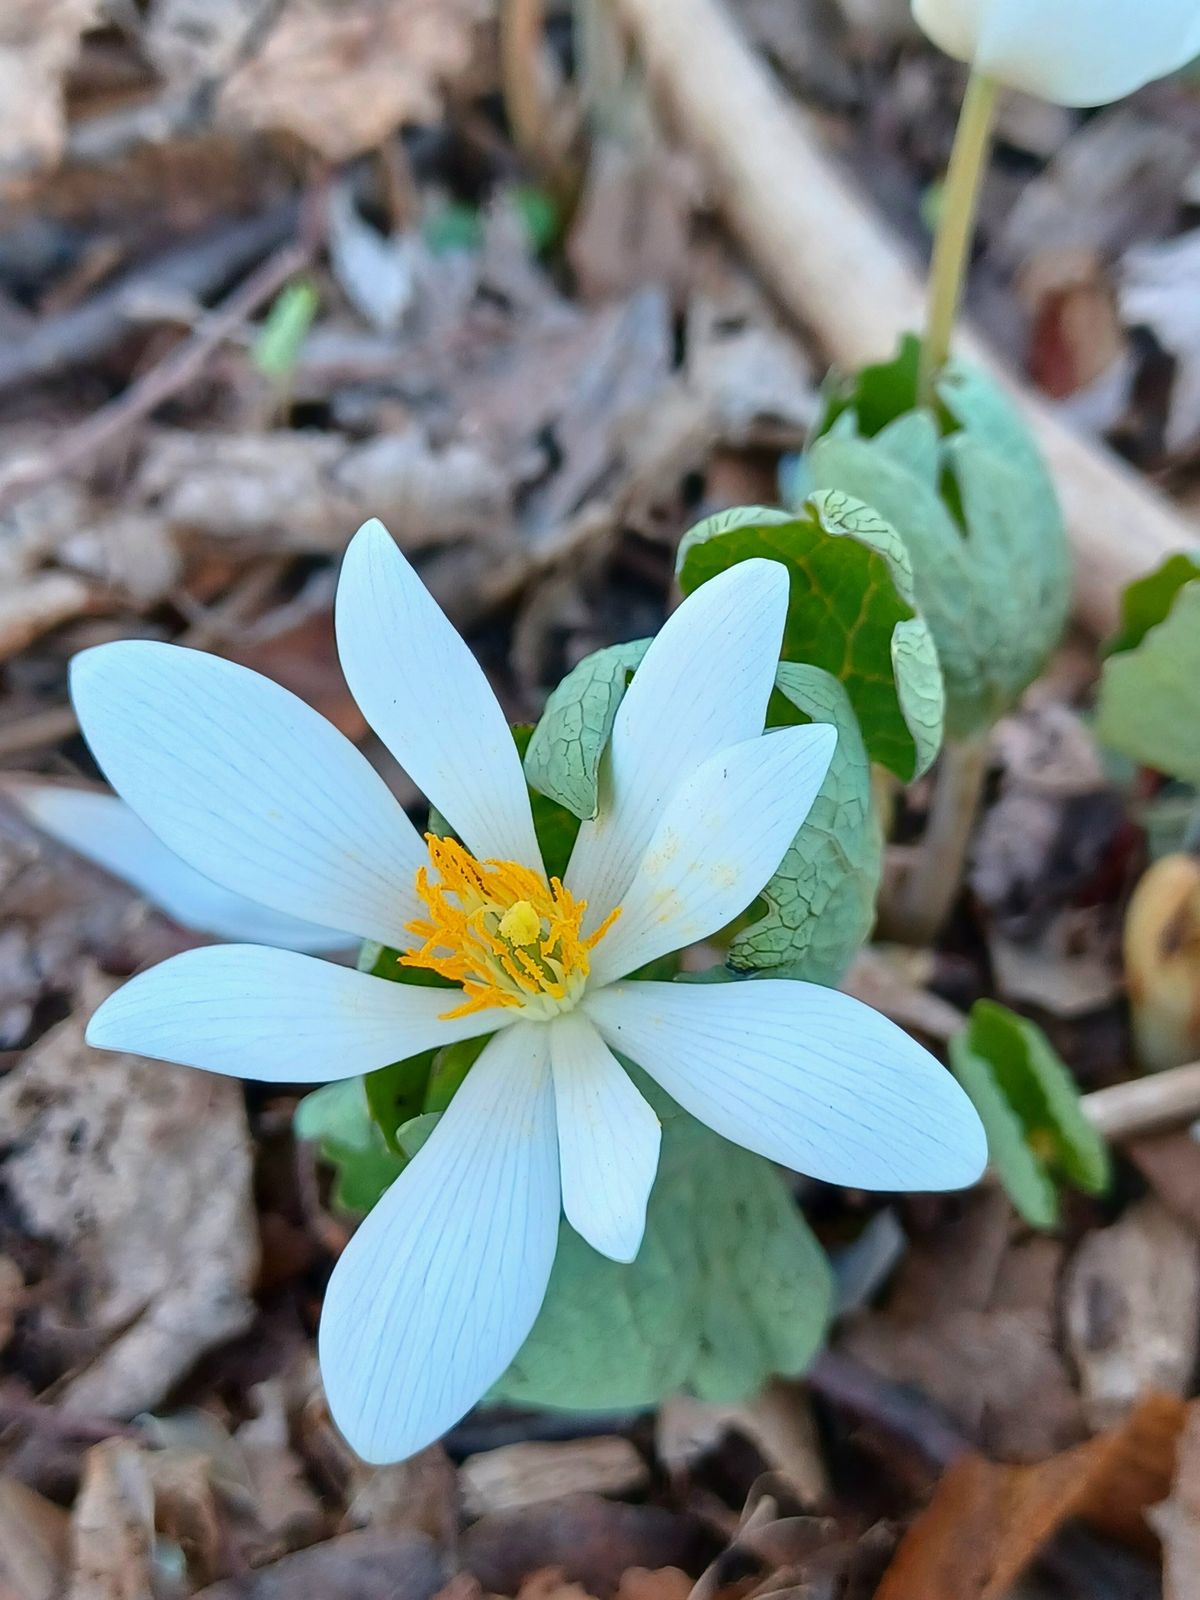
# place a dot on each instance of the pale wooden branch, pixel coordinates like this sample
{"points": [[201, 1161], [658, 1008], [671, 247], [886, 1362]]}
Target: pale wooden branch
{"points": [[832, 261]]}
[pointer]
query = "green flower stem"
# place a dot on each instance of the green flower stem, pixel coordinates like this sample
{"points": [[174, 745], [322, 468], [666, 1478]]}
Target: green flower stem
{"points": [[927, 893], [968, 161]]}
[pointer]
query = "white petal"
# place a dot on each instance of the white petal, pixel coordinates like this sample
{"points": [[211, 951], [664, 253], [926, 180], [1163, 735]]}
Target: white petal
{"points": [[250, 786], [608, 1140], [441, 1284], [1072, 52], [721, 837], [104, 830], [703, 685], [807, 1076], [427, 698], [275, 1016], [953, 25]]}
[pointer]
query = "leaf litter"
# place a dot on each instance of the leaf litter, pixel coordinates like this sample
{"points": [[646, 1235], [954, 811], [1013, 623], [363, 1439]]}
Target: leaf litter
{"points": [[539, 409]]}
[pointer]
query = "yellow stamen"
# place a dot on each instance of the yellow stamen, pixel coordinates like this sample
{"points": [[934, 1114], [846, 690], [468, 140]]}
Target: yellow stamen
{"points": [[502, 932]]}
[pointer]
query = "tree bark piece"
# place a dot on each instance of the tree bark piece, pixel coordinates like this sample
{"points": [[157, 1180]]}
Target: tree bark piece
{"points": [[842, 274]]}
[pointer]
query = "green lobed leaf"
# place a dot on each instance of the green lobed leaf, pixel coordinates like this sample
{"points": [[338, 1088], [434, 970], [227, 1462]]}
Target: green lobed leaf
{"points": [[821, 901], [1029, 1104], [971, 498], [851, 611], [562, 758], [729, 1287], [338, 1119], [1147, 601], [1149, 701]]}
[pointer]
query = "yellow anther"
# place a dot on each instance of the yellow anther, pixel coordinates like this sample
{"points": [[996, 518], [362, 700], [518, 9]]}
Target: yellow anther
{"points": [[520, 924], [508, 936]]}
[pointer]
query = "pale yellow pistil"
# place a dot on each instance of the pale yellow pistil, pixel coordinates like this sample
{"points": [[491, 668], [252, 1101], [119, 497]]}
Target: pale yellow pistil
{"points": [[502, 932]]}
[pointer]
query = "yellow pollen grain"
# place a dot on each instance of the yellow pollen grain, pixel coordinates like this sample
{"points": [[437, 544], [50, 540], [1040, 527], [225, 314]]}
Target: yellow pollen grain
{"points": [[501, 931]]}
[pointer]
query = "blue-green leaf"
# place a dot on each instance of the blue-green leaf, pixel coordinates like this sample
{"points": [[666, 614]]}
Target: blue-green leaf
{"points": [[729, 1287], [821, 901], [971, 498], [562, 759]]}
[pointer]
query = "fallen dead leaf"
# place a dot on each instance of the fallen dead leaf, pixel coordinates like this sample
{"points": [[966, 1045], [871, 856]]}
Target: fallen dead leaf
{"points": [[529, 1473], [343, 74], [112, 1526], [355, 1566], [1170, 1164], [139, 1174], [421, 1494], [971, 1321], [987, 1522], [654, 1583], [594, 1541], [1132, 1310]]}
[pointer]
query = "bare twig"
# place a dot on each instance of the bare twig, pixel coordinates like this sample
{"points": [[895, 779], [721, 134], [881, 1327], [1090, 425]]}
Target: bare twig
{"points": [[1146, 1105], [172, 374], [835, 265], [197, 267]]}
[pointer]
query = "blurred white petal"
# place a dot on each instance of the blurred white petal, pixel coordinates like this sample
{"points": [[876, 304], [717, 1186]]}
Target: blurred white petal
{"points": [[102, 828]]}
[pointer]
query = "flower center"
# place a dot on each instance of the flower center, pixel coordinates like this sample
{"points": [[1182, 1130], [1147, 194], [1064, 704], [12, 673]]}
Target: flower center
{"points": [[498, 928]]}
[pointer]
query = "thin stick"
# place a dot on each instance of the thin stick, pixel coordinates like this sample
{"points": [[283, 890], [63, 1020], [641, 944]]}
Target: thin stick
{"points": [[1146, 1105], [835, 265], [172, 374]]}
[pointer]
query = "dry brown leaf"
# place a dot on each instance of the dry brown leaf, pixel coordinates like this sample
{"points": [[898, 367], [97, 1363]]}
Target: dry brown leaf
{"points": [[551, 1583], [342, 74], [38, 42], [1132, 1310], [633, 223], [988, 1522], [419, 1494], [1170, 1164], [526, 1474], [356, 1566], [1176, 1519], [139, 1174], [185, 1508], [971, 1322], [33, 1544], [654, 1583], [35, 604], [594, 1541], [308, 491], [112, 1526]]}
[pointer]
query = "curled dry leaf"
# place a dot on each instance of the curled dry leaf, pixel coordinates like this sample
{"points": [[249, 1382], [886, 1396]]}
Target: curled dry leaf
{"points": [[1133, 1310], [138, 1173], [356, 1566], [342, 74]]}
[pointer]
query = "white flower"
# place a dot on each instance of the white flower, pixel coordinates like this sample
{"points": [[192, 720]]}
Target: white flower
{"points": [[1073, 52], [441, 1284]]}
